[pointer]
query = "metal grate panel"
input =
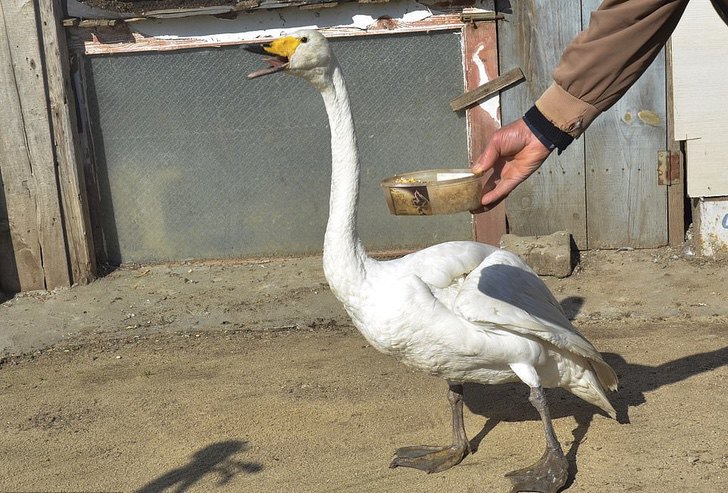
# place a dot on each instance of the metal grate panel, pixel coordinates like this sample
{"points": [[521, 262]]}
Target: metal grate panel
{"points": [[196, 161]]}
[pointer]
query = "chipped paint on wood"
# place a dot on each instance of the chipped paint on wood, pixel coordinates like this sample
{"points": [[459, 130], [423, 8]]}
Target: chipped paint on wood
{"points": [[485, 68], [480, 58], [352, 19], [712, 237], [135, 12]]}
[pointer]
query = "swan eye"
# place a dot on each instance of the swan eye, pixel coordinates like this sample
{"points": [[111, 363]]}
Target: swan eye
{"points": [[304, 39]]}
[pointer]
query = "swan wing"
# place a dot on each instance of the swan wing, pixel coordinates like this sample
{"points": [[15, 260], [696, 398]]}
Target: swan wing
{"points": [[503, 291], [440, 266]]}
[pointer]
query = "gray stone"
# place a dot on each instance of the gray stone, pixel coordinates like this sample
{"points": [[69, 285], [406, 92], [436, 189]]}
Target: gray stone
{"points": [[547, 255]]}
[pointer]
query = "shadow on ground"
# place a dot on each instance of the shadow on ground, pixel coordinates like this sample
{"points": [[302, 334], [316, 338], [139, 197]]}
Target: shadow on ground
{"points": [[217, 459], [510, 402], [501, 402]]}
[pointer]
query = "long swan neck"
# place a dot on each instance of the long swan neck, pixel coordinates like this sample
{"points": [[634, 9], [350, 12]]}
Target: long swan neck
{"points": [[344, 256]]}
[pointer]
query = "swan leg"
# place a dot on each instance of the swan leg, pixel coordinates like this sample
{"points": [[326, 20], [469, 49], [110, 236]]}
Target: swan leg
{"points": [[550, 473], [430, 458]]}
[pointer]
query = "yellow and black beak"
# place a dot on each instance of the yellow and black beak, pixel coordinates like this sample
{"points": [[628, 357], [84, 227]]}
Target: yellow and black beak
{"points": [[282, 50]]}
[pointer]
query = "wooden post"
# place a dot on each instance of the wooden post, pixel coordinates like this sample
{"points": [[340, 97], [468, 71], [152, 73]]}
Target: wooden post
{"points": [[87, 154], [675, 191], [70, 167], [27, 166], [481, 59]]}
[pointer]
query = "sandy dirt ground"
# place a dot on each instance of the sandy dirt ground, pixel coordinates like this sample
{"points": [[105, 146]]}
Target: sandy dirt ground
{"points": [[249, 377]]}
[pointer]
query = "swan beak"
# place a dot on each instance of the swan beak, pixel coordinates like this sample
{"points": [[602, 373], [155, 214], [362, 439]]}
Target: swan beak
{"points": [[282, 49]]}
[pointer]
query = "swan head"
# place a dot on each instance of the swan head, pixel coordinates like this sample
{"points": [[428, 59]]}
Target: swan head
{"points": [[305, 53]]}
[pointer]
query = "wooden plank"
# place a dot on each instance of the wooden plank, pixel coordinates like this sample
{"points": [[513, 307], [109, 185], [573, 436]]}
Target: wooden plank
{"points": [[533, 37], [486, 90], [9, 279], [28, 167], [676, 190], [70, 169], [481, 65], [626, 207], [21, 266], [124, 38], [700, 69], [88, 157], [130, 13]]}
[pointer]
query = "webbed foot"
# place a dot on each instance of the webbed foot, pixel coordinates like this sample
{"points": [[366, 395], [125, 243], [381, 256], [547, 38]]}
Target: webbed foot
{"points": [[429, 458], [547, 475]]}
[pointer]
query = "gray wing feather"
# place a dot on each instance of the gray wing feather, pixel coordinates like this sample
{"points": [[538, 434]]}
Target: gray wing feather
{"points": [[505, 292]]}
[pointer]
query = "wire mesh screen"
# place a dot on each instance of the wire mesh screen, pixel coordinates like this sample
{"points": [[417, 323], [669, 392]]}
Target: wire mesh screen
{"points": [[196, 161]]}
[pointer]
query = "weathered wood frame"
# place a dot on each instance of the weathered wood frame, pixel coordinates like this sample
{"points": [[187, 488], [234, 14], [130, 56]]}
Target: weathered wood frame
{"points": [[107, 40]]}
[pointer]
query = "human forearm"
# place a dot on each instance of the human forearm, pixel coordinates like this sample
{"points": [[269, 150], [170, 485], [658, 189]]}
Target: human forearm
{"points": [[603, 61]]}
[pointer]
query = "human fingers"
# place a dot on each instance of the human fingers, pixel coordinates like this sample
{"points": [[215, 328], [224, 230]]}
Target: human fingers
{"points": [[490, 156], [504, 143], [502, 189]]}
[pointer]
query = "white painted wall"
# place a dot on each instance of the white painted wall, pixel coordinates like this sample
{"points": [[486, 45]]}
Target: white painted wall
{"points": [[700, 71], [712, 226]]}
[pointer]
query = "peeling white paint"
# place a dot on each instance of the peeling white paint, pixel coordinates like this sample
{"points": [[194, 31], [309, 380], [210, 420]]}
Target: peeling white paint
{"points": [[713, 231], [492, 104], [274, 23]]}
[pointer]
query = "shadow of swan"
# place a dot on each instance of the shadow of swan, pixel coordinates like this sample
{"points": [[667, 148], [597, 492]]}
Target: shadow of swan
{"points": [[214, 459], [496, 402]]}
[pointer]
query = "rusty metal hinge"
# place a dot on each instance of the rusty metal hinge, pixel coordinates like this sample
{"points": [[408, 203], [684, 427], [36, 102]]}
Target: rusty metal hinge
{"points": [[669, 167], [477, 16]]}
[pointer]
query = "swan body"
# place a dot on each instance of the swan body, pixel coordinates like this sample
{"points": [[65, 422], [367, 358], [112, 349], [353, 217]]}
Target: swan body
{"points": [[461, 310], [470, 312]]}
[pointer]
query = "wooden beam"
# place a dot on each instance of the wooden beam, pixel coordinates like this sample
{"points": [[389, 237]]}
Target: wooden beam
{"points": [[88, 156], [70, 168], [27, 163], [123, 38], [481, 63], [21, 265], [676, 187], [486, 90]]}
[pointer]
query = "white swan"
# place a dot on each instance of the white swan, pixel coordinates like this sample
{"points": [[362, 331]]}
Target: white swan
{"points": [[465, 311]]}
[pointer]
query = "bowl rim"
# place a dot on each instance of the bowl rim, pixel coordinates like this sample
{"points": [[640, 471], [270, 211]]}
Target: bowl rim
{"points": [[389, 182]]}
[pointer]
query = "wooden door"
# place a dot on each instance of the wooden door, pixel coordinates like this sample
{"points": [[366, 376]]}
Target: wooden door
{"points": [[604, 188]]}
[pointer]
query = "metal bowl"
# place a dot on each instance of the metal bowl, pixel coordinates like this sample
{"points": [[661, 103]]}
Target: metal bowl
{"points": [[436, 191]]}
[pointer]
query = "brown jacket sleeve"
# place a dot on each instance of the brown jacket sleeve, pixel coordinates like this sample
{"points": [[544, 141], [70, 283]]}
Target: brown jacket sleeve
{"points": [[603, 61]]}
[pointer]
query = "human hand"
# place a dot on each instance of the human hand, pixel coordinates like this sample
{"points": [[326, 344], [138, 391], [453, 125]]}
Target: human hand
{"points": [[513, 153]]}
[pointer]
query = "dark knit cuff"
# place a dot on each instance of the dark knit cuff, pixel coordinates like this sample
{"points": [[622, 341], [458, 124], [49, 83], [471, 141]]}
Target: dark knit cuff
{"points": [[549, 134]]}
